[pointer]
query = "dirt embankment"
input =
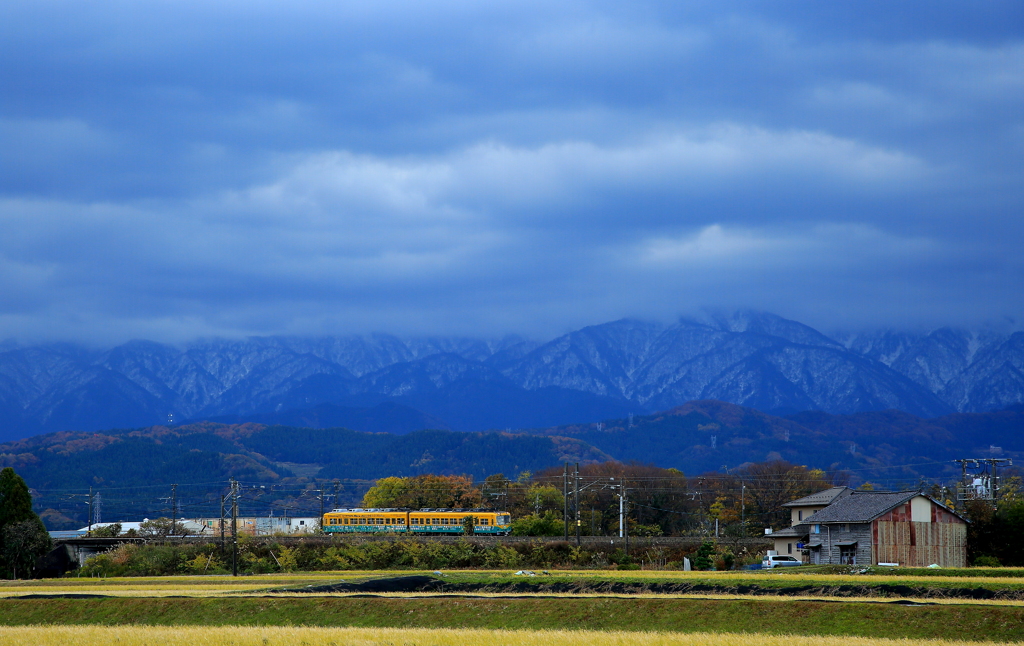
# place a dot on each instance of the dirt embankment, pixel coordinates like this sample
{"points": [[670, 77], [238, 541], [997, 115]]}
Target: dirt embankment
{"points": [[528, 586]]}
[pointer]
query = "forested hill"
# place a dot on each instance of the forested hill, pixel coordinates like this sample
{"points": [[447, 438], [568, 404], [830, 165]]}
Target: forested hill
{"points": [[134, 469], [207, 452], [887, 447]]}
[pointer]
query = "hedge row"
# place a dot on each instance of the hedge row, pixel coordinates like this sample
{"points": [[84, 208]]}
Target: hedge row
{"points": [[261, 557]]}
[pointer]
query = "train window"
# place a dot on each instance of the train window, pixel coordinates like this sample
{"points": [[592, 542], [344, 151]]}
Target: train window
{"points": [[484, 521]]}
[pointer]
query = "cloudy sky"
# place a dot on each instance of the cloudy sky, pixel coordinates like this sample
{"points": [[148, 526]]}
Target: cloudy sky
{"points": [[179, 169]]}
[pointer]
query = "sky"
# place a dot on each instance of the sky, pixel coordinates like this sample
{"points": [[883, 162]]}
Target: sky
{"points": [[178, 169]]}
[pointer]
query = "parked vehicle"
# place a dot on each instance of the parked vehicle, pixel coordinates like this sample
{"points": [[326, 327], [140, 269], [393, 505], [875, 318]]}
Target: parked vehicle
{"points": [[778, 560]]}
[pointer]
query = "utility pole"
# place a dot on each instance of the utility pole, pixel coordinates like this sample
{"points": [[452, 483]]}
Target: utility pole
{"points": [[222, 522], [994, 463], [565, 500], [90, 512], [622, 509], [625, 525], [576, 501], [743, 508], [321, 490], [234, 527], [174, 508]]}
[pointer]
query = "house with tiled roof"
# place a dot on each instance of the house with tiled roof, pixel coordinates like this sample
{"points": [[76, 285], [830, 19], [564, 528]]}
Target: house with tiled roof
{"points": [[871, 527], [791, 539]]}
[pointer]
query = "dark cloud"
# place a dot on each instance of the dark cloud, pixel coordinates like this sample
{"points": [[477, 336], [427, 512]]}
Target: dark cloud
{"points": [[180, 169]]}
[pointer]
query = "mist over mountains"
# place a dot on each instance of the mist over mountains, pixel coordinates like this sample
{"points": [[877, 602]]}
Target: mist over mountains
{"points": [[384, 383]]}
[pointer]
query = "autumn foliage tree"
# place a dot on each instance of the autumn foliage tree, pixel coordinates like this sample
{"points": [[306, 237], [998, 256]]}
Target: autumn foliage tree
{"points": [[424, 491], [769, 485]]}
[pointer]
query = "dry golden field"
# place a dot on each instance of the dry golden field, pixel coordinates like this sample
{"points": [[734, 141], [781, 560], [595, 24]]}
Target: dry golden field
{"points": [[296, 636]]}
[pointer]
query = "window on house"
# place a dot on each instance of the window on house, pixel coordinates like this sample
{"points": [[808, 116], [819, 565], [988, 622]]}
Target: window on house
{"points": [[789, 548], [800, 515], [817, 529]]}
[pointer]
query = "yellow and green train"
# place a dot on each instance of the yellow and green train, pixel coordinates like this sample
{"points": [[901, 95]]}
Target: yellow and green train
{"points": [[417, 521]]}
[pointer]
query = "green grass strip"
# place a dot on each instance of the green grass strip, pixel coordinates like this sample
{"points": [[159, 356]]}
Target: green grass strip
{"points": [[978, 622]]}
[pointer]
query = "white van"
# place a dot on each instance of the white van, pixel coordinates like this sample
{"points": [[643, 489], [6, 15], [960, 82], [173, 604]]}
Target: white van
{"points": [[778, 560]]}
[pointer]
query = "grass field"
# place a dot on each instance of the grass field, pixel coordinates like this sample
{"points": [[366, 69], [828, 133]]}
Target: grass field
{"points": [[215, 604], [995, 623], [291, 636]]}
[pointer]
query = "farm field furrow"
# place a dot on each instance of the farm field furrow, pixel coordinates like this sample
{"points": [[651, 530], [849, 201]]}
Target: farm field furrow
{"points": [[30, 593], [766, 578]]}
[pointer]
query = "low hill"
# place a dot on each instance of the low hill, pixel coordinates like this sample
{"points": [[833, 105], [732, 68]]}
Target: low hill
{"points": [[891, 448]]}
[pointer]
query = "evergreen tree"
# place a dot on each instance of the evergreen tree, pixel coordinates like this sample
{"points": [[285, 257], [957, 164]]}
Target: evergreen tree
{"points": [[23, 537], [15, 500]]}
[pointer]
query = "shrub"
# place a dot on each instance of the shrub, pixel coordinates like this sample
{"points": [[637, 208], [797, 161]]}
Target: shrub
{"points": [[702, 560]]}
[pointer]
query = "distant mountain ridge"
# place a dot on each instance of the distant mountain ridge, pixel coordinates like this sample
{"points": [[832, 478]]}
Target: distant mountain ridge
{"points": [[749, 358]]}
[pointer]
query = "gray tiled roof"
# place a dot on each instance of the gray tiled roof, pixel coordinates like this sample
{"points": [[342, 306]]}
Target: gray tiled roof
{"points": [[861, 506], [788, 532], [825, 497]]}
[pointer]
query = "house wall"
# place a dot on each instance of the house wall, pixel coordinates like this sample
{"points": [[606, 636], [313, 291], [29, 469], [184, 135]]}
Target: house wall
{"points": [[794, 517], [899, 537], [782, 546], [832, 534]]}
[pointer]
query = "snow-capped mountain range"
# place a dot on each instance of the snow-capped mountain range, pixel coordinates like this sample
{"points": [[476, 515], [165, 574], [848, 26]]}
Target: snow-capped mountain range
{"points": [[749, 358]]}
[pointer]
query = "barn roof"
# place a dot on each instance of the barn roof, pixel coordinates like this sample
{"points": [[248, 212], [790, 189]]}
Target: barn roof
{"points": [[826, 497], [861, 506]]}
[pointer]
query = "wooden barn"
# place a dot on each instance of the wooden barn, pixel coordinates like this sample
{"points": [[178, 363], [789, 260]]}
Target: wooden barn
{"points": [[906, 528]]}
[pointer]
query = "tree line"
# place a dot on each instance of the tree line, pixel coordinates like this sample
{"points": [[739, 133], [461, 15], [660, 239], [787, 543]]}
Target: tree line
{"points": [[658, 502]]}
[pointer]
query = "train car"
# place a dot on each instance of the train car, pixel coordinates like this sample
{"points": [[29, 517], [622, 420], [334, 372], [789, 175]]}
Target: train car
{"points": [[416, 521]]}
